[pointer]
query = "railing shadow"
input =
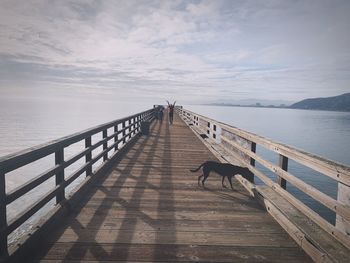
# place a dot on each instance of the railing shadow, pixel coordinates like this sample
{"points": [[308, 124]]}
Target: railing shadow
{"points": [[99, 215], [122, 246], [133, 208], [168, 205]]}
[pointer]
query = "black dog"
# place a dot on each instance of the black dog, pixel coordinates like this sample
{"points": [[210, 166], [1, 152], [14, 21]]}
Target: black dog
{"points": [[225, 170]]}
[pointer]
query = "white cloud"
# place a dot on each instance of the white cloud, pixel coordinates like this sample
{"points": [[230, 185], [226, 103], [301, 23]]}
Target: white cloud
{"points": [[187, 49]]}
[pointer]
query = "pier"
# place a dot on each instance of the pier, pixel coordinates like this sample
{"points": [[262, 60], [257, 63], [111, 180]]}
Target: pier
{"points": [[142, 204]]}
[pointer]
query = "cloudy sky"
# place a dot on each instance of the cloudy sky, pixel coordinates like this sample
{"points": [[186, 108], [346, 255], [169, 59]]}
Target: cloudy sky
{"points": [[191, 51]]}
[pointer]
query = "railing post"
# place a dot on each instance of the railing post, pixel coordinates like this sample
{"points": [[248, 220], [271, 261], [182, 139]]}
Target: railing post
{"points": [[129, 130], [344, 197], [138, 123], [3, 217], [131, 126], [105, 145], [283, 163], [59, 159], [253, 149], [123, 127], [116, 137], [88, 156], [134, 125]]}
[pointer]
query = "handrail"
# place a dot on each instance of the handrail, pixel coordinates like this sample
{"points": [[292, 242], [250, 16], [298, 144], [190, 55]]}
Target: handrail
{"points": [[244, 143], [16, 160], [130, 126], [319, 196]]}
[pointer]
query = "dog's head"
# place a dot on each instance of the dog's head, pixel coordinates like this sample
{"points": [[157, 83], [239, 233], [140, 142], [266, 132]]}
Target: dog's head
{"points": [[247, 174]]}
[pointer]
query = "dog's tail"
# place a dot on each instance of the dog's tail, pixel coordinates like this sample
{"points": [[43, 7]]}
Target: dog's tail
{"points": [[195, 170]]}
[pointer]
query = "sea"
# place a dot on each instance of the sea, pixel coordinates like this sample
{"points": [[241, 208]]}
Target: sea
{"points": [[27, 122]]}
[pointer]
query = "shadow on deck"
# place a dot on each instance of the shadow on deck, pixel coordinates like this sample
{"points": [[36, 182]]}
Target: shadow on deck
{"points": [[149, 208]]}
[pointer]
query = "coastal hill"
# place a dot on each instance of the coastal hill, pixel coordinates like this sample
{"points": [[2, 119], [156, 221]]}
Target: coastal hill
{"points": [[337, 103]]}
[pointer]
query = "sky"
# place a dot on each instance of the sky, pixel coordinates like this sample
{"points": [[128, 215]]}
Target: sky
{"points": [[189, 51]]}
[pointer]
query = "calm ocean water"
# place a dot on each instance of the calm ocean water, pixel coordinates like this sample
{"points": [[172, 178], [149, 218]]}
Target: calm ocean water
{"points": [[27, 122]]}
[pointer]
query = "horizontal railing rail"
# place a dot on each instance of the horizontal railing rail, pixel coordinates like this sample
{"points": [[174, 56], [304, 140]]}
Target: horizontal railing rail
{"points": [[242, 144], [123, 131]]}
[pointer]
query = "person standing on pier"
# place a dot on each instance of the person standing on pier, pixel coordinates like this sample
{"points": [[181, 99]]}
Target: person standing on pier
{"points": [[160, 114], [171, 111]]}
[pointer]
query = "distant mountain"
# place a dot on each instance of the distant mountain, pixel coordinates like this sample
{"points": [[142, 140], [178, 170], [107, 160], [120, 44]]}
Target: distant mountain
{"points": [[337, 103], [264, 102], [249, 102]]}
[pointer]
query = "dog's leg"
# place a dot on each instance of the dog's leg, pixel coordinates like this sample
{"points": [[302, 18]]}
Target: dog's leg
{"points": [[205, 177], [230, 180], [199, 178], [222, 182]]}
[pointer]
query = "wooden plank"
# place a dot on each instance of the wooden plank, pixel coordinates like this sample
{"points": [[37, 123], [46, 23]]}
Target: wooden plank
{"points": [[155, 214], [222, 197], [181, 211], [182, 205], [171, 253], [223, 200], [178, 237], [249, 223]]}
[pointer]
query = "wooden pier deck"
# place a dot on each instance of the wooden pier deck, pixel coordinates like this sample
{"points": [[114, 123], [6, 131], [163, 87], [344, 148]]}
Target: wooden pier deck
{"points": [[149, 208]]}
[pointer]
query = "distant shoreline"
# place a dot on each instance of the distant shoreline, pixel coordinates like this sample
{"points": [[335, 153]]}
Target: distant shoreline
{"points": [[340, 103], [244, 106], [268, 106]]}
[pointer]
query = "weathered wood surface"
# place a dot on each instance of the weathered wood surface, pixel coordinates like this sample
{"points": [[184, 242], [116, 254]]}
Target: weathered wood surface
{"points": [[321, 246], [149, 208]]}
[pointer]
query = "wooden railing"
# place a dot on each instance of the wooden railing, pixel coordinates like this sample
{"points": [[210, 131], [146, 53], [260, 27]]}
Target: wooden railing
{"points": [[123, 131], [242, 144]]}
